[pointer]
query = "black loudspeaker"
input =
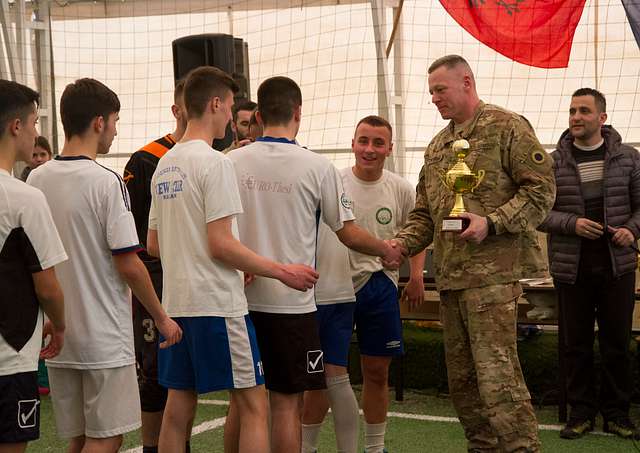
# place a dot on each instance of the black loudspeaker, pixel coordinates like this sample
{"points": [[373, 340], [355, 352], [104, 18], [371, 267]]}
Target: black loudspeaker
{"points": [[241, 70], [214, 49]]}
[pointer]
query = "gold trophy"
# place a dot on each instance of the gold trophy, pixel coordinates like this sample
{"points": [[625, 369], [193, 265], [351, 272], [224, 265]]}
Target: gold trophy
{"points": [[459, 179]]}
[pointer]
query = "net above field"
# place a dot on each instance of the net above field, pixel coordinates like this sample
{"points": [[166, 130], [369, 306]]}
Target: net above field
{"points": [[329, 48]]}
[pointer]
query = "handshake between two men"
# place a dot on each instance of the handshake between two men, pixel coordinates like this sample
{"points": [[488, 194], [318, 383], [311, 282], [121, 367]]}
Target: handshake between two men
{"points": [[395, 255]]}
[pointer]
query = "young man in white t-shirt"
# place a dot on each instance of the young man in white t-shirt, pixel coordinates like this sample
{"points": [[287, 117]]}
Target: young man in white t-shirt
{"points": [[192, 224], [93, 380], [137, 177], [29, 249], [286, 190], [382, 201]]}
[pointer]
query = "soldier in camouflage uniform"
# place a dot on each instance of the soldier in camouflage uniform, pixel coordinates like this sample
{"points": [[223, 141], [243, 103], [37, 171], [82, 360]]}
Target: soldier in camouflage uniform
{"points": [[477, 271]]}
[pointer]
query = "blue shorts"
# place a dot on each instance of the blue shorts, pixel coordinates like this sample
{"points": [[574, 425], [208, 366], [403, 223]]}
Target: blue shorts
{"points": [[215, 354], [335, 324], [377, 317]]}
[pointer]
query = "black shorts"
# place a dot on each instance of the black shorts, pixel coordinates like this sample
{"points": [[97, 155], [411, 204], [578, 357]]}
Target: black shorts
{"points": [[153, 397], [290, 349], [19, 408]]}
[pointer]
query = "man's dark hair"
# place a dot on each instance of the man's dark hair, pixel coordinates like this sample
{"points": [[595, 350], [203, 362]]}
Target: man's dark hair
{"points": [[178, 91], [244, 105], [16, 101], [278, 97], [43, 143], [204, 83], [84, 100], [376, 121], [450, 61], [601, 102]]}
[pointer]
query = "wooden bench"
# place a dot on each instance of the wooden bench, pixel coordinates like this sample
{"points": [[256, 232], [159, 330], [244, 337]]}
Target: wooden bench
{"points": [[429, 310]]}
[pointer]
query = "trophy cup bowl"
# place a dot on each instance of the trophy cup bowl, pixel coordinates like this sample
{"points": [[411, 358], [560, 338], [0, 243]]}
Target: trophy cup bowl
{"points": [[460, 180]]}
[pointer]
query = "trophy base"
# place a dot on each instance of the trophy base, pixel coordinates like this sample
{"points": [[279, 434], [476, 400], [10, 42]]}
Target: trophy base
{"points": [[455, 224]]}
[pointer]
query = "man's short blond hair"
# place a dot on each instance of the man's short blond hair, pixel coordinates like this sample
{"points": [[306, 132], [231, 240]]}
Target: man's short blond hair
{"points": [[450, 61]]}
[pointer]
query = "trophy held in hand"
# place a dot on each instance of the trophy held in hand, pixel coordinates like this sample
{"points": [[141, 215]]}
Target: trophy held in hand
{"points": [[459, 179]]}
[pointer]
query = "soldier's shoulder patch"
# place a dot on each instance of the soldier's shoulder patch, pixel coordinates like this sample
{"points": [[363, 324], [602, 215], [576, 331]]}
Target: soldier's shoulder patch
{"points": [[539, 157]]}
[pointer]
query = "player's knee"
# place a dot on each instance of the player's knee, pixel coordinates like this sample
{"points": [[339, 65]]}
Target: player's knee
{"points": [[250, 402], [376, 372], [282, 403], [316, 403]]}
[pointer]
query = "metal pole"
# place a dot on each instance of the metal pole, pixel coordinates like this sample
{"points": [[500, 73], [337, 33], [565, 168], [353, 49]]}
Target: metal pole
{"points": [[397, 100], [379, 22], [8, 38], [595, 44]]}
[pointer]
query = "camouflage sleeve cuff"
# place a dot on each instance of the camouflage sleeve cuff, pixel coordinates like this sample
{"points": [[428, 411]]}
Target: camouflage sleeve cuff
{"points": [[494, 219], [403, 243], [491, 227]]}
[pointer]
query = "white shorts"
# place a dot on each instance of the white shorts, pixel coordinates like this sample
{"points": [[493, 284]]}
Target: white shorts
{"points": [[95, 403]]}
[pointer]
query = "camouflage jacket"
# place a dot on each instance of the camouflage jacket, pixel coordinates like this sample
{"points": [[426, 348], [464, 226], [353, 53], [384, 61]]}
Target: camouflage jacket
{"points": [[516, 193]]}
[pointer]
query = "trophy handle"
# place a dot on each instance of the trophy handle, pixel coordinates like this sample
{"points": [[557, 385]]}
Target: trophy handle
{"points": [[480, 177]]}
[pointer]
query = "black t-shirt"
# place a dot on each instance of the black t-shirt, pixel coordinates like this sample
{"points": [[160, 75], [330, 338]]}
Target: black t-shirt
{"points": [[137, 177]]}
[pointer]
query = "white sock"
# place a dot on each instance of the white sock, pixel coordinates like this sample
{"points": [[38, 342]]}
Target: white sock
{"points": [[310, 435], [344, 407], [374, 437]]}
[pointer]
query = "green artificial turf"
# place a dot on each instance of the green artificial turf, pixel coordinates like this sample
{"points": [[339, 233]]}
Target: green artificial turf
{"points": [[403, 435]]}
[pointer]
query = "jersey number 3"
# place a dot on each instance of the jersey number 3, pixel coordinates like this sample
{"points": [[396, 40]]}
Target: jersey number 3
{"points": [[149, 330]]}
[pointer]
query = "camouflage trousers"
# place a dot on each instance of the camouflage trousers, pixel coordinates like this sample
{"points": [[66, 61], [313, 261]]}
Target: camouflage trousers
{"points": [[485, 379]]}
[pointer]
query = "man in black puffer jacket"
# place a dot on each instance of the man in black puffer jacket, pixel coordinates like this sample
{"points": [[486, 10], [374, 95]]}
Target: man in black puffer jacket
{"points": [[592, 228]]}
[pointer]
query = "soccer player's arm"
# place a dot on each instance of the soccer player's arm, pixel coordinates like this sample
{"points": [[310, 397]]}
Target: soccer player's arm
{"points": [[43, 249], [414, 291], [360, 240], [153, 246], [122, 238], [133, 272], [51, 300], [226, 248], [335, 206]]}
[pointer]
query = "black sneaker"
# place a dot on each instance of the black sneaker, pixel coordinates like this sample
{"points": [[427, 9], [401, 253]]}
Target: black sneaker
{"points": [[576, 428], [622, 427]]}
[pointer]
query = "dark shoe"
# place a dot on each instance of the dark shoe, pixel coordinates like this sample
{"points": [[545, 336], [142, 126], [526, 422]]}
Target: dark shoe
{"points": [[576, 428], [622, 427]]}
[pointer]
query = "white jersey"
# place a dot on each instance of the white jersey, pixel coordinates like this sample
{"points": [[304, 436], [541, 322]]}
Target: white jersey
{"points": [[334, 285], [192, 186], [29, 243], [90, 207], [286, 191], [381, 207]]}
